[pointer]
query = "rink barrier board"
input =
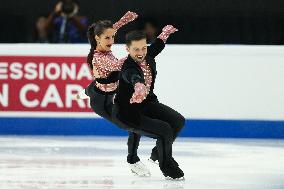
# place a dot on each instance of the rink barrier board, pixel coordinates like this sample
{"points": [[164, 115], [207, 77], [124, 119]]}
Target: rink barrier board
{"points": [[101, 127], [231, 90]]}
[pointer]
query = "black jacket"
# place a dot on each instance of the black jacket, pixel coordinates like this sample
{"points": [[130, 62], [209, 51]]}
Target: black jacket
{"points": [[130, 74]]}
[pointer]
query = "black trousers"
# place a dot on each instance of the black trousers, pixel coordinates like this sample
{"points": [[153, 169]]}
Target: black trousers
{"points": [[162, 114], [101, 103], [158, 121]]}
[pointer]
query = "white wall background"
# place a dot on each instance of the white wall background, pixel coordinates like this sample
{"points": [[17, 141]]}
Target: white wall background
{"points": [[206, 82]]}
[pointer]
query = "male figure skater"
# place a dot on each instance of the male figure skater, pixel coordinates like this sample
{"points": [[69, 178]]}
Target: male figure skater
{"points": [[137, 107]]}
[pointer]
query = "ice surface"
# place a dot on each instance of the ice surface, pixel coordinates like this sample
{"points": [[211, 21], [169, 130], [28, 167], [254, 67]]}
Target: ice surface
{"points": [[100, 163]]}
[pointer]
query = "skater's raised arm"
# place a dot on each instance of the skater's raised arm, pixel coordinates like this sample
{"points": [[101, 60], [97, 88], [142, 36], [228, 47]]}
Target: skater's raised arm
{"points": [[155, 48], [128, 17], [166, 32]]}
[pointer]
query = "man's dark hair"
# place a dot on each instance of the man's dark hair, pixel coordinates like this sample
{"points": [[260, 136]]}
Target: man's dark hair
{"points": [[135, 35]]}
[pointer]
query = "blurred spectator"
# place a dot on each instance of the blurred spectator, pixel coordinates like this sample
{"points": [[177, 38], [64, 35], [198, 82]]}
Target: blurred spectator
{"points": [[65, 25], [151, 30], [41, 32]]}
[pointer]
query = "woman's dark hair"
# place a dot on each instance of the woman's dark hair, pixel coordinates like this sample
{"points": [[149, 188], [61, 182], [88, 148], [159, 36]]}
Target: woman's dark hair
{"points": [[135, 35], [96, 29]]}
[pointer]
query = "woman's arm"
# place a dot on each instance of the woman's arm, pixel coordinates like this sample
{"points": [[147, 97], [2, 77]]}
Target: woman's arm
{"points": [[104, 64], [128, 17]]}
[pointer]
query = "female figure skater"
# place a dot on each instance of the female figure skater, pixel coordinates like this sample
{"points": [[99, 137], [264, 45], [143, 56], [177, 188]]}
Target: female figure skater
{"points": [[106, 69]]}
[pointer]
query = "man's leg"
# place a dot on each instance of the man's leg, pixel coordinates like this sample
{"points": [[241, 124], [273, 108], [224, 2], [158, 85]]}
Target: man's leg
{"points": [[165, 113], [133, 144], [162, 131], [159, 130], [162, 112], [136, 166]]}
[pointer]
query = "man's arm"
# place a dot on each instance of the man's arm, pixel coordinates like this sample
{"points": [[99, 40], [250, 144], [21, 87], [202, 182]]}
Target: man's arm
{"points": [[133, 77], [159, 44]]}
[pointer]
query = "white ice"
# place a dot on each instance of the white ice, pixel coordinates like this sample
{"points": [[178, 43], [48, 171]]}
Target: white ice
{"points": [[100, 163]]}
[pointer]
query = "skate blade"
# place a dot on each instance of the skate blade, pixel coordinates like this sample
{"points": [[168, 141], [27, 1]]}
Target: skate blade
{"points": [[142, 175], [174, 179]]}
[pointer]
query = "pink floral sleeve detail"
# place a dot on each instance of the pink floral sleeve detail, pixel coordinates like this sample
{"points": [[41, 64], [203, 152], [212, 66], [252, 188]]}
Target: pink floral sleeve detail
{"points": [[128, 17], [97, 68], [166, 32], [140, 93], [105, 63]]}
